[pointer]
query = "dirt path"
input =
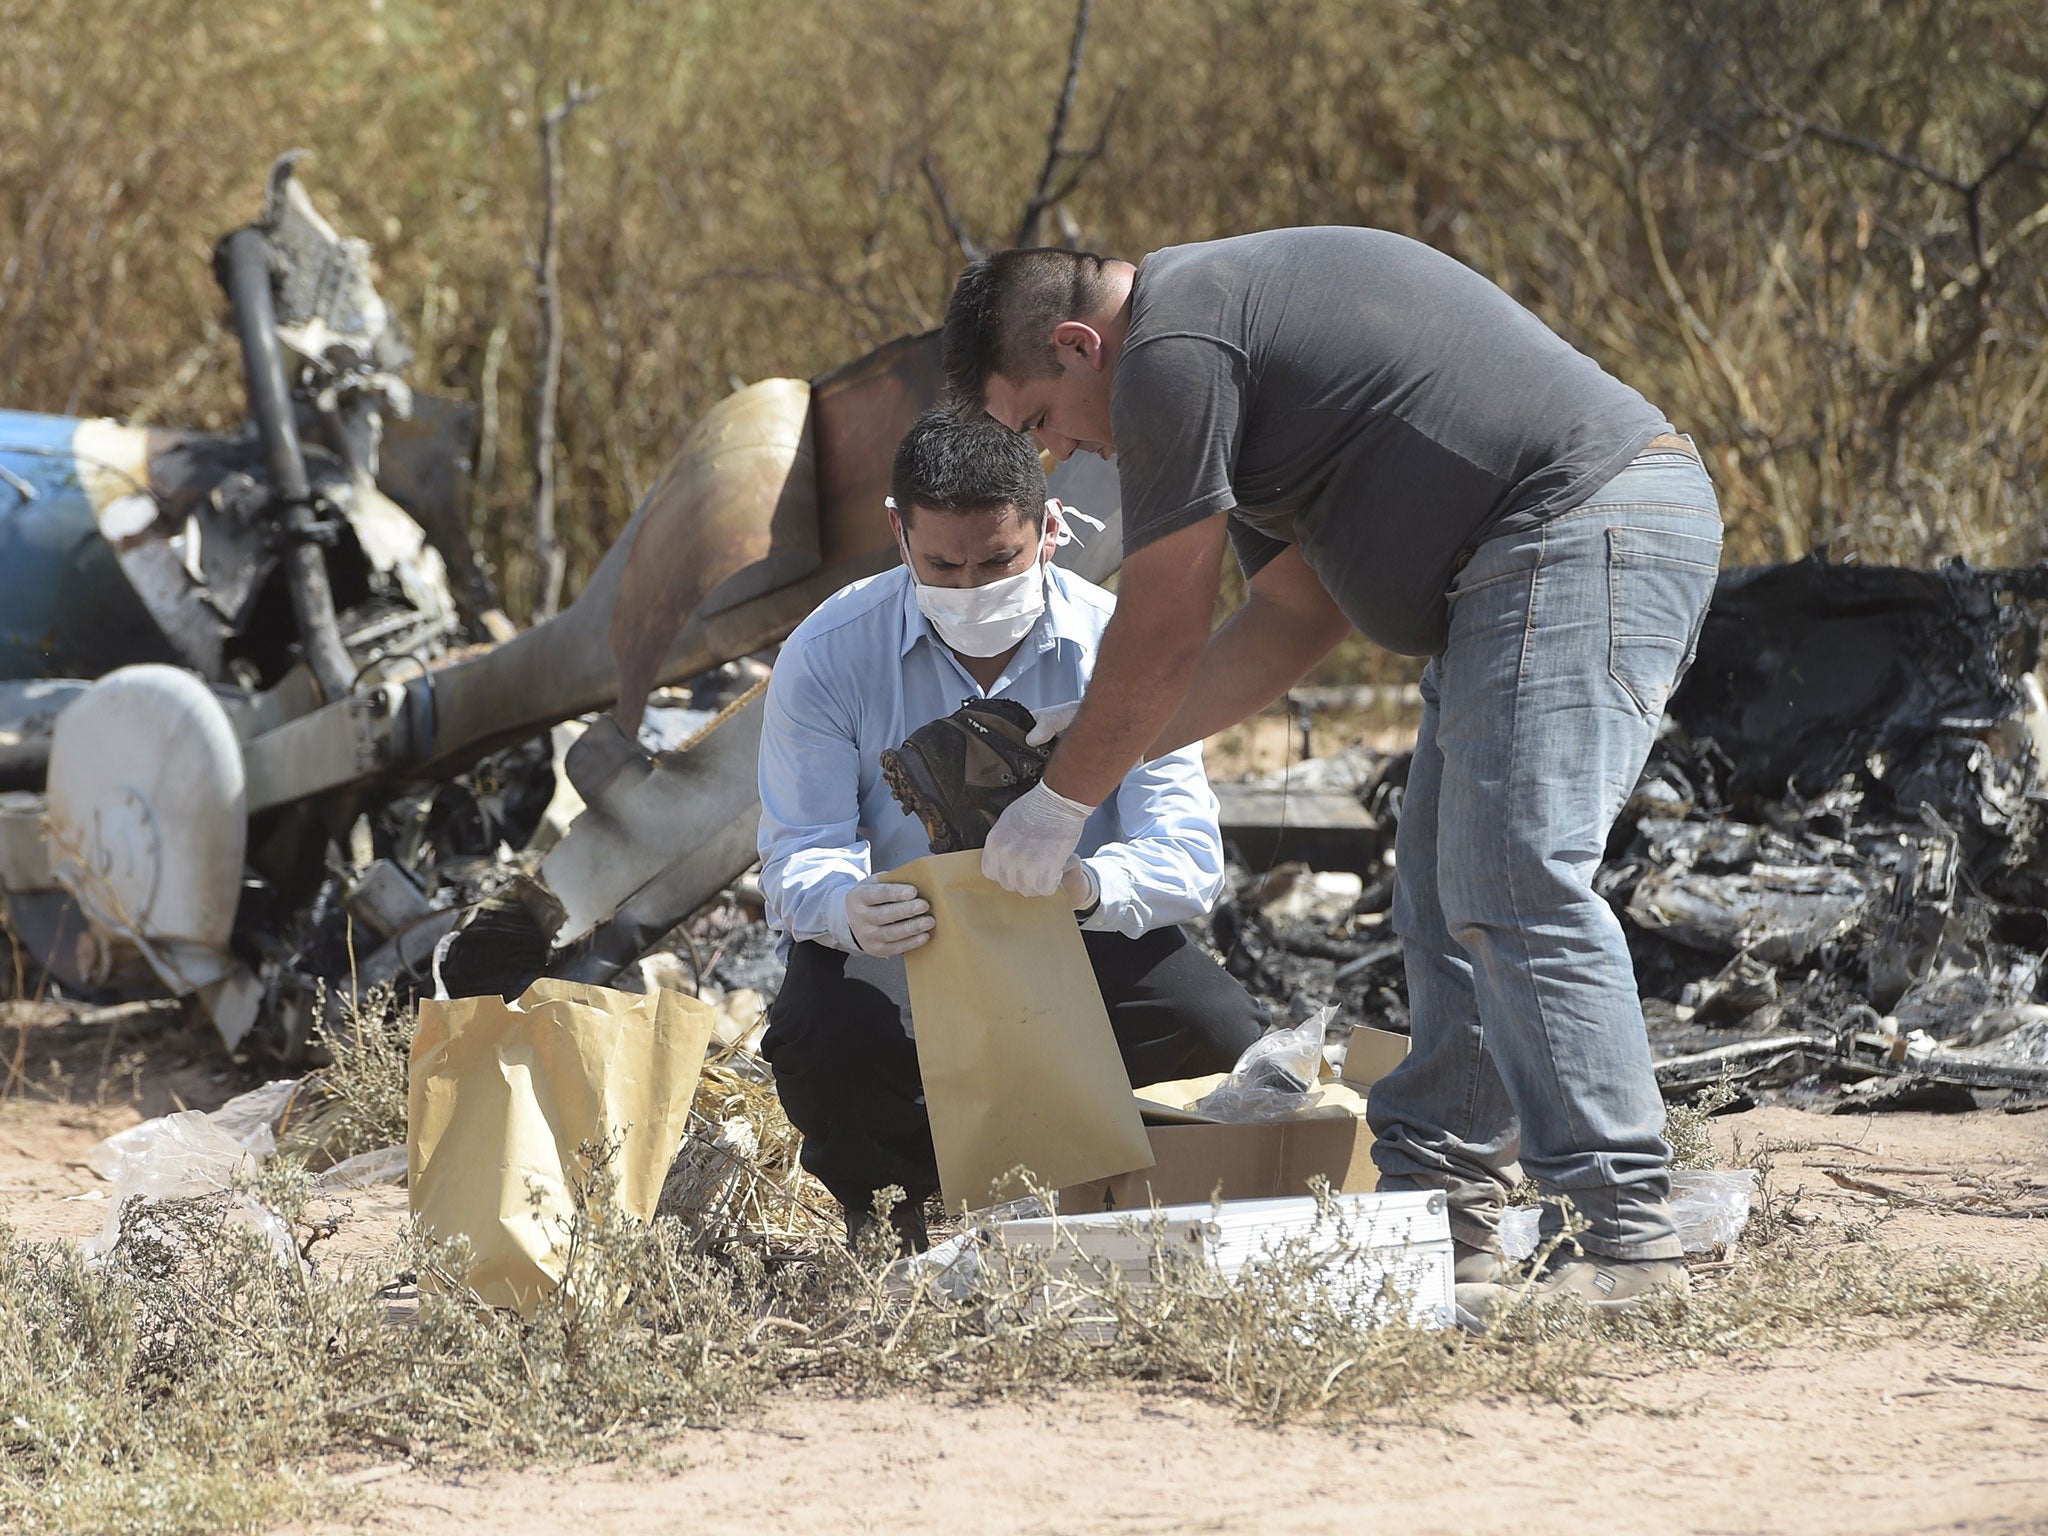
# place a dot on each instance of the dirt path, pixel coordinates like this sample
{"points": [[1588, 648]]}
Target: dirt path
{"points": [[1898, 1439], [1902, 1436]]}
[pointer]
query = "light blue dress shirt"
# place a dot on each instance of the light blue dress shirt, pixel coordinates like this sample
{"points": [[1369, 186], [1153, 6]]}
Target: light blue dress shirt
{"points": [[863, 672]]}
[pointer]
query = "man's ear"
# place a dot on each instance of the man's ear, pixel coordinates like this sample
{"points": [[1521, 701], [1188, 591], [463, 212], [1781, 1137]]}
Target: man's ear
{"points": [[1079, 339], [902, 542]]}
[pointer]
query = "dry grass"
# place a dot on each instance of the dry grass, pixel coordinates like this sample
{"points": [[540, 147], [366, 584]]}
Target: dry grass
{"points": [[1685, 1126], [193, 1382]]}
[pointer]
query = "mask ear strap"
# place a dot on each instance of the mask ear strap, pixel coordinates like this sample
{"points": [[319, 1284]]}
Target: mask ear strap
{"points": [[1066, 516]]}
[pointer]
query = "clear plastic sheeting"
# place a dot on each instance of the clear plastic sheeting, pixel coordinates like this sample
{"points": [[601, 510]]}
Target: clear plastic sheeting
{"points": [[192, 1154], [245, 1124], [952, 1268], [385, 1165], [1272, 1079], [1710, 1206]]}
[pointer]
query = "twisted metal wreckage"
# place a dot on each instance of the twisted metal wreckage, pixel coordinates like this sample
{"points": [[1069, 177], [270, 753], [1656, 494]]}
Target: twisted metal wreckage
{"points": [[264, 736], [1833, 873], [261, 730]]}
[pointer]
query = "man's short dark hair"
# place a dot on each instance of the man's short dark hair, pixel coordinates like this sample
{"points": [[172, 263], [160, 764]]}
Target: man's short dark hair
{"points": [[1003, 312], [949, 462]]}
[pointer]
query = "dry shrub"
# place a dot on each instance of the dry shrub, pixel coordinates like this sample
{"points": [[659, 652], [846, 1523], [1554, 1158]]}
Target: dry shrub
{"points": [[188, 1383], [1687, 189], [357, 1102], [1685, 1125], [738, 1178]]}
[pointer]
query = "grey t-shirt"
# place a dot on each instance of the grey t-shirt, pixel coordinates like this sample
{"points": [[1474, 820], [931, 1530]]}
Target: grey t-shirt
{"points": [[1363, 396]]}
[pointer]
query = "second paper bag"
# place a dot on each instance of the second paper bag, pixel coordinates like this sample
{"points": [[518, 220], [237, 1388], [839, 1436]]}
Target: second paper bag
{"points": [[1020, 1066], [504, 1096]]}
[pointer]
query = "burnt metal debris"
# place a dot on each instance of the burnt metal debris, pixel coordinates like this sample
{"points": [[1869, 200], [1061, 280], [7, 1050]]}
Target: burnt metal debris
{"points": [[1832, 872], [959, 773]]}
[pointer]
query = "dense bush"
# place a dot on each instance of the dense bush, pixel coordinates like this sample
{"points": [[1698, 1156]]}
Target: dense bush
{"points": [[1817, 235]]}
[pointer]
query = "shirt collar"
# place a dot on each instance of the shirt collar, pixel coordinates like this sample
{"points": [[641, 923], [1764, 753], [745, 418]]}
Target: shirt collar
{"points": [[915, 626]]}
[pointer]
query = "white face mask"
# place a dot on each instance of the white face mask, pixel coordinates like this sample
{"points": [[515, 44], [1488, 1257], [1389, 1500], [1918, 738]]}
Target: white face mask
{"points": [[988, 620], [985, 620]]}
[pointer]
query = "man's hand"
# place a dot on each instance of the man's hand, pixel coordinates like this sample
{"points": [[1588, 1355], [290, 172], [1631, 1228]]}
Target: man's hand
{"points": [[1028, 847], [1050, 721], [887, 919]]}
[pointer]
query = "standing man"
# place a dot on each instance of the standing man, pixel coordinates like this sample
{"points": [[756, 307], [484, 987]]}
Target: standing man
{"points": [[1394, 445], [977, 609]]}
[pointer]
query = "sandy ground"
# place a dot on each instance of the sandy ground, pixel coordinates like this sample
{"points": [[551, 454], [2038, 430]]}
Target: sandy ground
{"points": [[1893, 1440], [1271, 741], [1902, 1436]]}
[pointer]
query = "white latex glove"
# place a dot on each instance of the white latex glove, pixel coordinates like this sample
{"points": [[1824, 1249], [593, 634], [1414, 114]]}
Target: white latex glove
{"points": [[1050, 721], [1079, 885], [887, 919], [1028, 847]]}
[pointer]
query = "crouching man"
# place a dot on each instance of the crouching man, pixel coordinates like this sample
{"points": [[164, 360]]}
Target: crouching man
{"points": [[976, 609]]}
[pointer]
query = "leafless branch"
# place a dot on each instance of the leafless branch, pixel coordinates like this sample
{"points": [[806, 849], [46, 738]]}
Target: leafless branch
{"points": [[2020, 141], [1091, 154], [487, 427], [970, 248], [1807, 128], [548, 552], [1975, 285], [1051, 188]]}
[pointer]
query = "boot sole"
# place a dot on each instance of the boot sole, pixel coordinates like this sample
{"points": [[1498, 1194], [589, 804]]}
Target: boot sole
{"points": [[911, 781]]}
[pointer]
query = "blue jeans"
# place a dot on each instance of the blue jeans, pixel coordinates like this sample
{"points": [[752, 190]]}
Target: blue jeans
{"points": [[1528, 1038]]}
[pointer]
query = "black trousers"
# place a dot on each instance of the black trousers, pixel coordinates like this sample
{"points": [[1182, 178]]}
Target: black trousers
{"points": [[846, 1064]]}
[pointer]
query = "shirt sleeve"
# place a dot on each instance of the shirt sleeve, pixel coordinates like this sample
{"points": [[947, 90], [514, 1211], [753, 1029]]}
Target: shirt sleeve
{"points": [[811, 849], [1254, 550], [1177, 412], [1168, 867]]}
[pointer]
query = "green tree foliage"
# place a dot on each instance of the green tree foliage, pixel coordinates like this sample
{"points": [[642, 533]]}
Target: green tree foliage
{"points": [[1816, 235]]}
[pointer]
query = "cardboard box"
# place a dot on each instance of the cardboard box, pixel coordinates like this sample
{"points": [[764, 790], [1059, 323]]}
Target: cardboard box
{"points": [[1260, 1161], [1372, 1054]]}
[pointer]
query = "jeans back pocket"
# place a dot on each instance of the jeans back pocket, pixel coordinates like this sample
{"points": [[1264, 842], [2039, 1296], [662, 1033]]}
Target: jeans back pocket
{"points": [[1659, 582]]}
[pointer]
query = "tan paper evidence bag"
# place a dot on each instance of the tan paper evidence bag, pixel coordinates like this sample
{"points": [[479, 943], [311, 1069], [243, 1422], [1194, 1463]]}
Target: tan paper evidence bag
{"points": [[1020, 1066], [503, 1095]]}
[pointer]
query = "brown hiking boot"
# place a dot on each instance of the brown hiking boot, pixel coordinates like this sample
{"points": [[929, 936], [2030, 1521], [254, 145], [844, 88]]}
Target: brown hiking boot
{"points": [[1610, 1285], [958, 774], [1480, 1266], [1596, 1283]]}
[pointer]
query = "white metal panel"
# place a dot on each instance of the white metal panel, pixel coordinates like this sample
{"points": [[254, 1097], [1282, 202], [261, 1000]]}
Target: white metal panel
{"points": [[1391, 1250]]}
